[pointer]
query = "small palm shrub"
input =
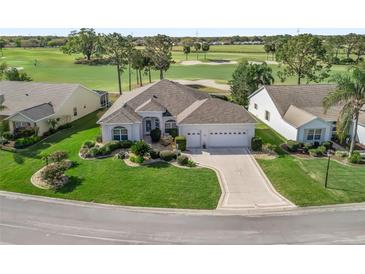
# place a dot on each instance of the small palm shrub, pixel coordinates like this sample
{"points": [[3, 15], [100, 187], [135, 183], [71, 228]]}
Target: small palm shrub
{"points": [[191, 163], [154, 153], [136, 159], [88, 144]]}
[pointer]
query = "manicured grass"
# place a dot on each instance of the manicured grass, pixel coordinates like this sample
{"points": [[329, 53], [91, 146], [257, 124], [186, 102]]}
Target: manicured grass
{"points": [[302, 181], [54, 66], [109, 180]]}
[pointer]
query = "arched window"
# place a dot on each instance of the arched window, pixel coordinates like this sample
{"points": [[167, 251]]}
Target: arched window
{"points": [[120, 134]]}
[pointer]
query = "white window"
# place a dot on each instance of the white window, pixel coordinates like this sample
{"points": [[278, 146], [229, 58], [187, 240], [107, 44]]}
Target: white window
{"points": [[120, 134], [314, 134], [75, 111], [267, 115], [170, 124], [255, 106], [20, 124]]}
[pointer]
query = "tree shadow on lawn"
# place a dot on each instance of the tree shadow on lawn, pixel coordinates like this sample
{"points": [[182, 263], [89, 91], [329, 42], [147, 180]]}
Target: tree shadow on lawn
{"points": [[18, 158], [71, 185], [346, 190], [158, 165]]}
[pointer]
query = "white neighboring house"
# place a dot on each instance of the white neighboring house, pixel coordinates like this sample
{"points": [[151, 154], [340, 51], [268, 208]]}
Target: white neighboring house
{"points": [[296, 112], [32, 104], [167, 105]]}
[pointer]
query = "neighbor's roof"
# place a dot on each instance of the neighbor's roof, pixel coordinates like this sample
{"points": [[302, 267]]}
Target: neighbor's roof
{"points": [[39, 112], [24, 95], [298, 117], [217, 111]]}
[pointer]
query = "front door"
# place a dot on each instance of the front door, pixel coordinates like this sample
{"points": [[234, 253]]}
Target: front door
{"points": [[148, 126]]}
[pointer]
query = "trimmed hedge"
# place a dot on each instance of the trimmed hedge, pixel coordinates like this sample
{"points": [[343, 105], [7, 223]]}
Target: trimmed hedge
{"points": [[355, 158], [155, 135], [181, 142], [256, 143], [26, 141]]}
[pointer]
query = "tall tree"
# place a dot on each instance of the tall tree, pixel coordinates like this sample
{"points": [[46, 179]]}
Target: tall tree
{"points": [[336, 43], [359, 48], [205, 49], [186, 50], [158, 48], [138, 64], [303, 56], [147, 63], [350, 93], [247, 78], [351, 40], [84, 41], [115, 46], [197, 47], [2, 45]]}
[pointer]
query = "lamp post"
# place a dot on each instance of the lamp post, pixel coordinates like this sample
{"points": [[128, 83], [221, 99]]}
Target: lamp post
{"points": [[328, 167]]}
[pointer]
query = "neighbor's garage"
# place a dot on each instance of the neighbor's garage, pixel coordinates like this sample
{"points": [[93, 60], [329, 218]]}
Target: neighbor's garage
{"points": [[218, 135]]}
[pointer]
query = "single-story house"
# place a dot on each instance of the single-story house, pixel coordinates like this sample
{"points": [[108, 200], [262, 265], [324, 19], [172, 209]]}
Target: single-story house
{"points": [[33, 105], [297, 113], [167, 105]]}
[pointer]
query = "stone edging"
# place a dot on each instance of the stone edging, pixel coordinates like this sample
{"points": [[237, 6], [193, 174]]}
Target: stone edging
{"points": [[34, 177]]}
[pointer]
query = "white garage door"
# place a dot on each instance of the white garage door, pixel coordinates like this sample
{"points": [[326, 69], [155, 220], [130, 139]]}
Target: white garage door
{"points": [[193, 138], [228, 138]]}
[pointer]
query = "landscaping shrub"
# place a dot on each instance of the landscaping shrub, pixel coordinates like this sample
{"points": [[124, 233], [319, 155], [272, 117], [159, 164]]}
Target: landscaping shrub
{"points": [[256, 143], [58, 156], [121, 155], [88, 144], [99, 139], [322, 149], [112, 145], [54, 175], [8, 135], [355, 158], [292, 145], [181, 142], [327, 144], [166, 140], [315, 144], [154, 153], [3, 141], [64, 126], [271, 147], [182, 160], [191, 163], [307, 147], [317, 152], [94, 152], [138, 159], [26, 141], [173, 132], [140, 148], [155, 135], [167, 155], [126, 144], [24, 132]]}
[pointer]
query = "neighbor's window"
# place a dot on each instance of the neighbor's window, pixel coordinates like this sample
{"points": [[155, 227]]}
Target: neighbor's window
{"points": [[120, 134], [314, 134], [20, 124], [75, 111], [267, 115], [255, 106]]}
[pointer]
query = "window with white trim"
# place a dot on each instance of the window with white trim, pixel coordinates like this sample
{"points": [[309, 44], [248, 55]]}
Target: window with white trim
{"points": [[314, 134], [170, 124], [120, 134], [21, 124]]}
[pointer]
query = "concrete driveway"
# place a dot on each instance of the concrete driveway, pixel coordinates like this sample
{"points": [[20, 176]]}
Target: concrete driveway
{"points": [[243, 183]]}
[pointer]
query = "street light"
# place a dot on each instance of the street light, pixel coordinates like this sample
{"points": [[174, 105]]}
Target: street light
{"points": [[328, 167]]}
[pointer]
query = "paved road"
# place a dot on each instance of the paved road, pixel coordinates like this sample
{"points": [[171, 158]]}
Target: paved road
{"points": [[243, 182], [31, 221]]}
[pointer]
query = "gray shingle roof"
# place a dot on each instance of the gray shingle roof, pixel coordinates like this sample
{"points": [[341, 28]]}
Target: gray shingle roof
{"points": [[217, 111], [187, 104], [38, 112], [22, 95]]}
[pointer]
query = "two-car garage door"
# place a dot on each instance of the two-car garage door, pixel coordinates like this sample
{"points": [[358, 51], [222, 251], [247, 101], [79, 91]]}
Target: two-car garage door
{"points": [[217, 138]]}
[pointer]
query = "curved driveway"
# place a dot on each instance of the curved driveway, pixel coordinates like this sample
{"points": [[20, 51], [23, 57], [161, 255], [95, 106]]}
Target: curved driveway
{"points": [[31, 220]]}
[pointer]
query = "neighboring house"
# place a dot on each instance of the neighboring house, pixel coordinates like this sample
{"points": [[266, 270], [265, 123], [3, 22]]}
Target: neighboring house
{"points": [[167, 105], [33, 105], [297, 113]]}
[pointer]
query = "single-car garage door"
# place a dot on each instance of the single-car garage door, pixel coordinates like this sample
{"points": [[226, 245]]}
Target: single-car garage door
{"points": [[193, 138], [228, 138]]}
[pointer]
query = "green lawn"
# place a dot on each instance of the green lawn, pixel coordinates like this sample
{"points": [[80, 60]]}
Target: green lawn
{"points": [[54, 66], [109, 180], [302, 181]]}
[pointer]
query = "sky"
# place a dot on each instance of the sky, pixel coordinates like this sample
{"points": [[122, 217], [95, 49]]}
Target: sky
{"points": [[180, 32]]}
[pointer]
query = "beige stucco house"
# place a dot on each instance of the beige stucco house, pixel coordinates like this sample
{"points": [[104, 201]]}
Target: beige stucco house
{"points": [[33, 105]]}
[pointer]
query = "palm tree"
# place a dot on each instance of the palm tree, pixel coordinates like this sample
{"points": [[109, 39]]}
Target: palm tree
{"points": [[350, 93]]}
